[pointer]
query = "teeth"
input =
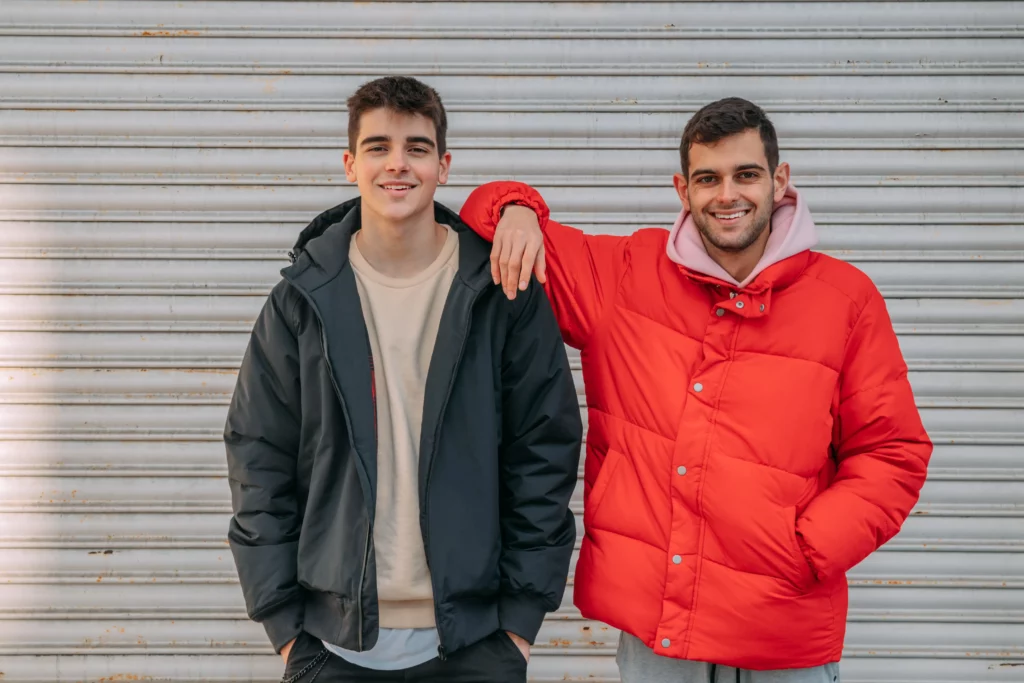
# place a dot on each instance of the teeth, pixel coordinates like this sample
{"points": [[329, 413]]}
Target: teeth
{"points": [[398, 187], [729, 216]]}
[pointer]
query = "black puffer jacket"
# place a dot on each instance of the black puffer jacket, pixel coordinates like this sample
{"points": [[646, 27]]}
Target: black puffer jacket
{"points": [[498, 454]]}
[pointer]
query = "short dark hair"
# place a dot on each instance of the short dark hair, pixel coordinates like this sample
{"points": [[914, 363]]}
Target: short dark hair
{"points": [[400, 94], [724, 118]]}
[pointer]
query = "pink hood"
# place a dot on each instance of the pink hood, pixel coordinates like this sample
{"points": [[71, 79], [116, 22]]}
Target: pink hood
{"points": [[793, 231]]}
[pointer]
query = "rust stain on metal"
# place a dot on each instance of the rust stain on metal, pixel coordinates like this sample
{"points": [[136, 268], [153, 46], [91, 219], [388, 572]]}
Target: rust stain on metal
{"points": [[168, 34]]}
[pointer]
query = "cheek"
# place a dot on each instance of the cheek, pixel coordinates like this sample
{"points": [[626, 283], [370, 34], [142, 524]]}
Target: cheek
{"points": [[363, 171]]}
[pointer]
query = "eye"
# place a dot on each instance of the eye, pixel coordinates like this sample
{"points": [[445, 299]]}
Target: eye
{"points": [[749, 175], [705, 180], [377, 148], [418, 150]]}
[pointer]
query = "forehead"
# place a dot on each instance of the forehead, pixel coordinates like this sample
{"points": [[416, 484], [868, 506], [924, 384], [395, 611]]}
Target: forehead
{"points": [[734, 150], [396, 125]]}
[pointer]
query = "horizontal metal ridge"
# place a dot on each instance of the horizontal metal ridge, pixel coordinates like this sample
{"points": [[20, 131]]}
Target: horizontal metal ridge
{"points": [[964, 438], [271, 180], [524, 70], [496, 143], [219, 399], [927, 253], [181, 613], [197, 577], [186, 326], [637, 219], [822, 106], [210, 507], [581, 32], [923, 291], [195, 470], [232, 362], [219, 542]]}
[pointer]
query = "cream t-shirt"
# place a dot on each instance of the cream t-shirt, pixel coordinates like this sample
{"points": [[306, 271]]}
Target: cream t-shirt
{"points": [[402, 317]]}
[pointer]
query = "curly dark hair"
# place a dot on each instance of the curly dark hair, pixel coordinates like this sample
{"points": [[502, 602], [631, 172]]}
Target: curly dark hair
{"points": [[401, 94], [724, 118]]}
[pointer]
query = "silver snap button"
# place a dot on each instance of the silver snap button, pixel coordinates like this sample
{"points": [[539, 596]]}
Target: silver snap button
{"points": [[698, 387], [720, 312], [665, 642], [762, 308], [681, 470], [739, 304], [676, 559]]}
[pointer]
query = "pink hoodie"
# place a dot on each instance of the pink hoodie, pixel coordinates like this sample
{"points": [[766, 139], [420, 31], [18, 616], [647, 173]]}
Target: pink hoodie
{"points": [[793, 231]]}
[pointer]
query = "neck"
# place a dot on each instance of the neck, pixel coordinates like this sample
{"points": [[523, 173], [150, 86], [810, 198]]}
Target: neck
{"points": [[739, 264], [400, 249]]}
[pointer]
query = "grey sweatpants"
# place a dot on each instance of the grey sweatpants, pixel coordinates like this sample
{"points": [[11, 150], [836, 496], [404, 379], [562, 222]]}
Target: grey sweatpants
{"points": [[639, 664]]}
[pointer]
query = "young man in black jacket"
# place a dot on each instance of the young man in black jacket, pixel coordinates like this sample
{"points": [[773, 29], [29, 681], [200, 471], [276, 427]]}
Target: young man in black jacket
{"points": [[403, 441]]}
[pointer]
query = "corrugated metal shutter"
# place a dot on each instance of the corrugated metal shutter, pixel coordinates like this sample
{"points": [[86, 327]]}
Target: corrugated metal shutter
{"points": [[157, 158]]}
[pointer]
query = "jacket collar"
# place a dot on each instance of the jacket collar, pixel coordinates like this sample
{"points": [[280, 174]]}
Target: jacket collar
{"points": [[323, 247]]}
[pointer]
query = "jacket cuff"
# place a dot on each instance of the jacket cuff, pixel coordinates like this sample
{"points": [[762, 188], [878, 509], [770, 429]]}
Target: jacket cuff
{"points": [[285, 623], [524, 195], [522, 615]]}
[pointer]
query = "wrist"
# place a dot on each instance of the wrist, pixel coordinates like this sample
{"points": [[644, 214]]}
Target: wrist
{"points": [[524, 207]]}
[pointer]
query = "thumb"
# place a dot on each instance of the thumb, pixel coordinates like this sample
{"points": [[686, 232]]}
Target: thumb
{"points": [[540, 268]]}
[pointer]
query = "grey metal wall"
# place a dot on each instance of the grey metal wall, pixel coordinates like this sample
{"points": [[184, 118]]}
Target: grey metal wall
{"points": [[157, 158]]}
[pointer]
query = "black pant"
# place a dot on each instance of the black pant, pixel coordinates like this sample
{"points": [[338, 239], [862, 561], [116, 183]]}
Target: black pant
{"points": [[495, 659]]}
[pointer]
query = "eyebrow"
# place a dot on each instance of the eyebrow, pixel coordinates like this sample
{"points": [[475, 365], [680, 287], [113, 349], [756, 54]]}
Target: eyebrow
{"points": [[738, 169], [387, 138]]}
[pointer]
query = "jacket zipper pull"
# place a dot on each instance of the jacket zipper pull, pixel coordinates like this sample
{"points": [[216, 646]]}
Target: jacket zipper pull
{"points": [[441, 653]]}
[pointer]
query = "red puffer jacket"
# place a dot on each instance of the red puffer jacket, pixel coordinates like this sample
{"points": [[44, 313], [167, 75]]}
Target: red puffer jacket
{"points": [[747, 445]]}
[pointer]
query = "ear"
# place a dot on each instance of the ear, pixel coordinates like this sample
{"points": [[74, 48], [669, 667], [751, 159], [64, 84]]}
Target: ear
{"points": [[781, 178], [446, 164], [350, 166], [679, 180]]}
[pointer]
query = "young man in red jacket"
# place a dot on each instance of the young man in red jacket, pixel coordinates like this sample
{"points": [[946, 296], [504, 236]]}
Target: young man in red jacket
{"points": [[752, 433]]}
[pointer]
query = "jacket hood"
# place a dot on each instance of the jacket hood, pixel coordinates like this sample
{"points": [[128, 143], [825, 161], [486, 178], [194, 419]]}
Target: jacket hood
{"points": [[792, 231], [319, 225]]}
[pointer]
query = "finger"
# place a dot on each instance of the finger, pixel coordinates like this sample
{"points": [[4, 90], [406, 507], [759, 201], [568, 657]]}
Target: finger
{"points": [[529, 257], [495, 255], [506, 249], [515, 264], [541, 267]]}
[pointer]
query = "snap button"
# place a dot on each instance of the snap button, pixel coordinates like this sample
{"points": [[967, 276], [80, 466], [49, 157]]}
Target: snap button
{"points": [[720, 312], [739, 304], [698, 387], [676, 559], [762, 308], [665, 642], [681, 470]]}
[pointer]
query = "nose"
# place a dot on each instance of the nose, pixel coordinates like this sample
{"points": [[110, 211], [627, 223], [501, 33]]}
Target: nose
{"points": [[728, 192], [397, 161]]}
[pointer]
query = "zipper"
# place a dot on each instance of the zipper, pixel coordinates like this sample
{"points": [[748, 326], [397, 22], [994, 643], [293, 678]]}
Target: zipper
{"points": [[362, 578], [348, 424], [441, 652]]}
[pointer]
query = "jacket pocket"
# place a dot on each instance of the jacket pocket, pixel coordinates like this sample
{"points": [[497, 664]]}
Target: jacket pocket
{"points": [[306, 654], [612, 459], [803, 578]]}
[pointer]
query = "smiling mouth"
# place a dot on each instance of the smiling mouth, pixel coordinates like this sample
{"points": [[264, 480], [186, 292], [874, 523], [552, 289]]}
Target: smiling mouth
{"points": [[730, 216], [397, 187]]}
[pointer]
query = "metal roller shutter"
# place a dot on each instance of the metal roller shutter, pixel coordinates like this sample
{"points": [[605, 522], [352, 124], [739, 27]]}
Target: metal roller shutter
{"points": [[157, 159]]}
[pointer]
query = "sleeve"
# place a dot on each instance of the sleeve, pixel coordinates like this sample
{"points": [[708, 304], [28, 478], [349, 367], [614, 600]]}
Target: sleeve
{"points": [[583, 270], [881, 449], [539, 460], [262, 441]]}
